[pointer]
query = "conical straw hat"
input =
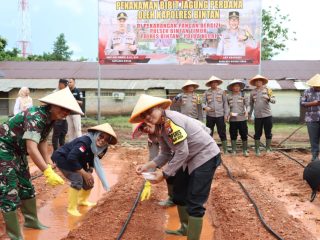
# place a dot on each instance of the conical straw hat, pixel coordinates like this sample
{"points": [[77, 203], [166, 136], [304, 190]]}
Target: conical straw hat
{"points": [[63, 98], [258, 77], [107, 129], [145, 102], [314, 81], [189, 82], [242, 85], [212, 79]]}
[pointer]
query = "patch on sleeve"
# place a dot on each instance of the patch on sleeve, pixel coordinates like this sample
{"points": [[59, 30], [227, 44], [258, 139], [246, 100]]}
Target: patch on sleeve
{"points": [[82, 148], [176, 133]]}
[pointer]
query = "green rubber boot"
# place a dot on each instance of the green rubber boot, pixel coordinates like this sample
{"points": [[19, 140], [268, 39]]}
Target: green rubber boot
{"points": [[29, 211], [225, 146], [257, 147], [268, 145], [12, 225], [169, 202], [245, 148], [183, 216], [234, 147], [194, 228]]}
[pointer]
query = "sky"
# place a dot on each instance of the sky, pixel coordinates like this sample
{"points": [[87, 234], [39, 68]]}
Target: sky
{"points": [[78, 20]]}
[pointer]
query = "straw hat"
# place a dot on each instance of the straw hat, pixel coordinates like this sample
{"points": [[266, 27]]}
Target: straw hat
{"points": [[235, 81], [63, 98], [213, 79], [314, 81], [258, 77], [145, 102], [107, 129], [189, 83], [137, 130]]}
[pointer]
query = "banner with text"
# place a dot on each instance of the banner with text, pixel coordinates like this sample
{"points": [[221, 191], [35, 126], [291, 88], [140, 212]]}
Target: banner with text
{"points": [[179, 32]]}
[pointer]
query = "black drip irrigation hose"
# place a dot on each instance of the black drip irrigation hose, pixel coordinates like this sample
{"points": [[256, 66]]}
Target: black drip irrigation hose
{"points": [[123, 229], [285, 154], [266, 226]]}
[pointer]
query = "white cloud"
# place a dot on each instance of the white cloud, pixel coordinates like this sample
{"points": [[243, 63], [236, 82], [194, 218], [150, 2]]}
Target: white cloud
{"points": [[75, 6]]}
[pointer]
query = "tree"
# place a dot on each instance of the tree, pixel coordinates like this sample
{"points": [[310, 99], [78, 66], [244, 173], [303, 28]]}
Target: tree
{"points": [[274, 33], [8, 55], [61, 49]]}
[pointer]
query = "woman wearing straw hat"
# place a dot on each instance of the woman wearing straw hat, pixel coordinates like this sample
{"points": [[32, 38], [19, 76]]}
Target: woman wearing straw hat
{"points": [[311, 101], [188, 102], [260, 99], [196, 157], [77, 159], [215, 105], [239, 108], [27, 132]]}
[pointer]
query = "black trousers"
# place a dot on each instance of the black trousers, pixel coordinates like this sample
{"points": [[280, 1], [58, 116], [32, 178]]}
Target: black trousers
{"points": [[193, 190], [60, 129], [221, 126], [240, 127], [265, 124]]}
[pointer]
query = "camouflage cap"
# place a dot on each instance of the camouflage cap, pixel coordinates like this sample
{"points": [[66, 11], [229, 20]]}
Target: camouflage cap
{"points": [[122, 15], [234, 14]]}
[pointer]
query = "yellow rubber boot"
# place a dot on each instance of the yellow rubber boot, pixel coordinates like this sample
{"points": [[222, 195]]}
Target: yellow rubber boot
{"points": [[73, 202], [83, 198]]}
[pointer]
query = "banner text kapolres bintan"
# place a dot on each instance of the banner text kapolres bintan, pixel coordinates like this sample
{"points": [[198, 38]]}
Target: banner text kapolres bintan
{"points": [[180, 32]]}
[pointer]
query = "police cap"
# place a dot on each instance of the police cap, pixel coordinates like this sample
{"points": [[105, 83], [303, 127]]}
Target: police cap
{"points": [[122, 15], [234, 14]]}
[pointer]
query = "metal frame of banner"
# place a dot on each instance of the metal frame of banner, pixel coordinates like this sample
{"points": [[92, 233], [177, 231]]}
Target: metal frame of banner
{"points": [[259, 69], [99, 72]]}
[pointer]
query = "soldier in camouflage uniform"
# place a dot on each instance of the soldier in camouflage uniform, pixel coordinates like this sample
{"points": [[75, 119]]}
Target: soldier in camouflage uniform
{"points": [[24, 133], [239, 108], [188, 102], [215, 104], [260, 99], [122, 42]]}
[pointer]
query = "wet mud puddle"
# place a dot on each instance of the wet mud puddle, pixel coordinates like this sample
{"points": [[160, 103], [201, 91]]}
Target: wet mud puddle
{"points": [[174, 223], [54, 213]]}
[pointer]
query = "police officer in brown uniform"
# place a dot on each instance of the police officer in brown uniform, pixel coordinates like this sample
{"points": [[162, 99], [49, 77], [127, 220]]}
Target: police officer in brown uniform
{"points": [[239, 108], [188, 102], [122, 42], [260, 99], [196, 157], [215, 104]]}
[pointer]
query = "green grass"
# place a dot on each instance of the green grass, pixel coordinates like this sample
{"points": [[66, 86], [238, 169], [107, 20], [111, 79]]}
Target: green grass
{"points": [[115, 121]]}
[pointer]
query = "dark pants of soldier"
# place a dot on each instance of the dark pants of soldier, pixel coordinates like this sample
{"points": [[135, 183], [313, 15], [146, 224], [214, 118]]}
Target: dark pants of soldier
{"points": [[60, 129], [193, 190], [240, 127], [221, 126], [265, 124]]}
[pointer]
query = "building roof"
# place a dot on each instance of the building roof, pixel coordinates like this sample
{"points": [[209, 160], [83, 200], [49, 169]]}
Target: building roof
{"points": [[299, 69]]}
